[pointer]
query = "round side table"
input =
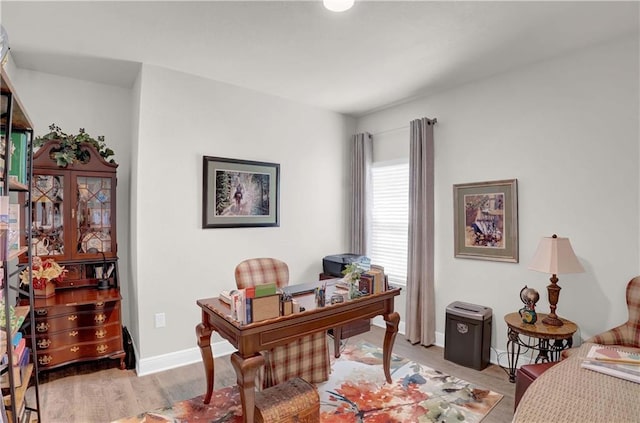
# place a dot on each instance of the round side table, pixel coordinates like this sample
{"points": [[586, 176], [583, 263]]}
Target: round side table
{"points": [[548, 340]]}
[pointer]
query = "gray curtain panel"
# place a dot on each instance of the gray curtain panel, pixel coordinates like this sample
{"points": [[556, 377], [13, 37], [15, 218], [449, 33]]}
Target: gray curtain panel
{"points": [[361, 158], [420, 308]]}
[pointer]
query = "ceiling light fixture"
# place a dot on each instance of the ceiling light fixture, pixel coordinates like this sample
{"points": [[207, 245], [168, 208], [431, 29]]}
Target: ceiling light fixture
{"points": [[338, 5]]}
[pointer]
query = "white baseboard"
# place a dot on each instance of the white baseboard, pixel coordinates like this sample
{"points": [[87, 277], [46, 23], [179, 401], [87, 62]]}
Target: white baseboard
{"points": [[159, 363]]}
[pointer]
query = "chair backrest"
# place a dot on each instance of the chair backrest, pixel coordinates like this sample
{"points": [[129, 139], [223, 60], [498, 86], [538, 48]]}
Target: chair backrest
{"points": [[628, 333], [633, 301], [257, 271]]}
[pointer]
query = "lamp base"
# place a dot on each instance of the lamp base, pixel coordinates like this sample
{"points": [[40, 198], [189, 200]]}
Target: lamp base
{"points": [[552, 321]]}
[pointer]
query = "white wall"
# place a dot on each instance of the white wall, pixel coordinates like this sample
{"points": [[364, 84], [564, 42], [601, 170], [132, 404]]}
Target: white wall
{"points": [[182, 118], [568, 130], [160, 129], [99, 109]]}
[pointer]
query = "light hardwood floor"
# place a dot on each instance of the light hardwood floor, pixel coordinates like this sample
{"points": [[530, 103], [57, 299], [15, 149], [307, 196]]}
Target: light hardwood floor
{"points": [[99, 392]]}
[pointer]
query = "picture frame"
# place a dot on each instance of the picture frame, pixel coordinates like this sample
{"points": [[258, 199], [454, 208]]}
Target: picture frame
{"points": [[486, 220], [239, 193]]}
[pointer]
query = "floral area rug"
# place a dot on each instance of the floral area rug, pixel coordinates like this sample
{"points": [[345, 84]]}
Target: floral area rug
{"points": [[357, 392]]}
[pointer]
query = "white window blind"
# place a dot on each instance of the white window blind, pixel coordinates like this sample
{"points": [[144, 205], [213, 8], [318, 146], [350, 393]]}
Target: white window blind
{"points": [[390, 219]]}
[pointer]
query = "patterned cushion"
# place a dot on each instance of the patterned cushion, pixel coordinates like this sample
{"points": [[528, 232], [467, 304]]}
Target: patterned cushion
{"points": [[627, 334], [307, 357]]}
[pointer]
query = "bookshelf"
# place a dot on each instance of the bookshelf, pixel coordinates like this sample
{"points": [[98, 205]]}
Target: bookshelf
{"points": [[15, 206]]}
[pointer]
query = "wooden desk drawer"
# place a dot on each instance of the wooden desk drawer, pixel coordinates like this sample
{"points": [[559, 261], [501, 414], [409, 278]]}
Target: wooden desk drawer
{"points": [[354, 328], [77, 320], [59, 310], [51, 341], [77, 352]]}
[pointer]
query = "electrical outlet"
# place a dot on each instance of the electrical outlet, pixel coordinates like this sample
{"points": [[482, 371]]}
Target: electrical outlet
{"points": [[160, 320]]}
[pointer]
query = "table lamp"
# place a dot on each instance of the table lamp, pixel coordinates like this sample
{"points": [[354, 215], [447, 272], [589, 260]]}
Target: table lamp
{"points": [[555, 255]]}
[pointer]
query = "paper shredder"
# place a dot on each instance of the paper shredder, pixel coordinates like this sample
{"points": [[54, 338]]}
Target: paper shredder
{"points": [[467, 337]]}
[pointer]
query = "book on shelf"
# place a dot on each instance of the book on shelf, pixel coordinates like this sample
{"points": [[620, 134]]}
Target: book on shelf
{"points": [[2, 147], [13, 234], [18, 350], [613, 362], [18, 162], [18, 369]]}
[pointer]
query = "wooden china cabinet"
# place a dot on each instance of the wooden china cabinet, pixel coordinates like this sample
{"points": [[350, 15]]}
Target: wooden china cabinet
{"points": [[73, 221]]}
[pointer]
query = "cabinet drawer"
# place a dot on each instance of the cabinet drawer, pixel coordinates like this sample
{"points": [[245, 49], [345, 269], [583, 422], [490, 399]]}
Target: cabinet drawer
{"points": [[58, 310], [77, 320], [83, 351], [53, 340]]}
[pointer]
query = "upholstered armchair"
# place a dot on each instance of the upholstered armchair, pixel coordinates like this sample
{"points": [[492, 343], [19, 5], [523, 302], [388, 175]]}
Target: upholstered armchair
{"points": [[626, 335], [306, 357]]}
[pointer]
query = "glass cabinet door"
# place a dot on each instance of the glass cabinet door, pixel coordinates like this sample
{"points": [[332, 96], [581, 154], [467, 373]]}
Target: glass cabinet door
{"points": [[93, 208], [48, 215]]}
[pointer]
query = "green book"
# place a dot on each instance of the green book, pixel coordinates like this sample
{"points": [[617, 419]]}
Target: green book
{"points": [[18, 164], [265, 289]]}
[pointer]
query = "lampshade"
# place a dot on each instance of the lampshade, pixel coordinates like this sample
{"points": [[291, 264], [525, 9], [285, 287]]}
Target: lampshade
{"points": [[338, 5], [555, 256]]}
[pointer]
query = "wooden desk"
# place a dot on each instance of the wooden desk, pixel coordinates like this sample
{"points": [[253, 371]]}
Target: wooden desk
{"points": [[562, 337], [255, 337]]}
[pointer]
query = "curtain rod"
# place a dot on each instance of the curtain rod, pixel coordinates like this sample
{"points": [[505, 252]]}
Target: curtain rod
{"points": [[386, 131]]}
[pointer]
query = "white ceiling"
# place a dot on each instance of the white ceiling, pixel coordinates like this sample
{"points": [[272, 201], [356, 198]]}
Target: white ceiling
{"points": [[376, 54]]}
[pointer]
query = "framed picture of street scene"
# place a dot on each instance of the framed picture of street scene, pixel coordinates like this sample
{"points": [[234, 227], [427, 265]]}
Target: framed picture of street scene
{"points": [[239, 193], [486, 220]]}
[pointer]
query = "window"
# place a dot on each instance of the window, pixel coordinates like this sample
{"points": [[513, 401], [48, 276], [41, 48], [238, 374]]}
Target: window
{"points": [[390, 219]]}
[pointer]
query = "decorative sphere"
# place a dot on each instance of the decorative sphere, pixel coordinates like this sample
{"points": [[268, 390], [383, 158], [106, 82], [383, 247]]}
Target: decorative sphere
{"points": [[529, 296]]}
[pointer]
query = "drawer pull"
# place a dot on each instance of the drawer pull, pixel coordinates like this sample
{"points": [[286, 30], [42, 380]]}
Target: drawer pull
{"points": [[72, 317], [41, 311], [73, 333], [100, 304], [101, 333], [74, 349], [102, 349], [100, 318], [45, 359], [44, 343], [42, 327]]}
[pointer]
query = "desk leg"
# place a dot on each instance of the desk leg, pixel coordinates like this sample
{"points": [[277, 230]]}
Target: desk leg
{"points": [[392, 320], [203, 333], [513, 352], [246, 370], [337, 336]]}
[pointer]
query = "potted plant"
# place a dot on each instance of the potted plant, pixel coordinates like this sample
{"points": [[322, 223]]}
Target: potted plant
{"points": [[70, 150], [352, 273]]}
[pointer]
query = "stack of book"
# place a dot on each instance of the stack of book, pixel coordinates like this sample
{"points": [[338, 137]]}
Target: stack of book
{"points": [[613, 362], [255, 303], [373, 281], [20, 356]]}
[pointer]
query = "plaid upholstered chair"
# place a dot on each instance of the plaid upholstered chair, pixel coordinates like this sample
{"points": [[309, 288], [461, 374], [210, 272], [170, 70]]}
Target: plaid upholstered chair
{"points": [[306, 357], [627, 334]]}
